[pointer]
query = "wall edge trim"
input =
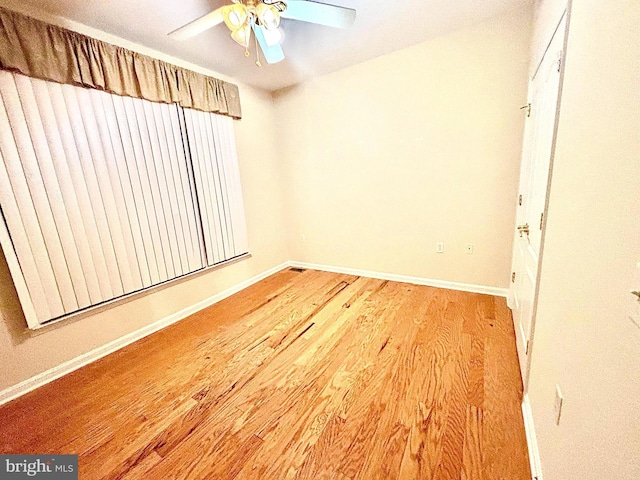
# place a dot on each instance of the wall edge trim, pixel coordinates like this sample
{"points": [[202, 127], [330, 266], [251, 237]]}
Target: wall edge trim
{"points": [[30, 384], [532, 441], [430, 282]]}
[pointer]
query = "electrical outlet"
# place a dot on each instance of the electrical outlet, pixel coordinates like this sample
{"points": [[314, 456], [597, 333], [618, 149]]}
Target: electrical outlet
{"points": [[439, 247], [557, 405], [469, 249]]}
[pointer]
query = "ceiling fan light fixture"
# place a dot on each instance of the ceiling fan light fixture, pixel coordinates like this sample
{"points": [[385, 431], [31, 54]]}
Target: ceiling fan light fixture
{"points": [[242, 35], [235, 16], [268, 15], [261, 18]]}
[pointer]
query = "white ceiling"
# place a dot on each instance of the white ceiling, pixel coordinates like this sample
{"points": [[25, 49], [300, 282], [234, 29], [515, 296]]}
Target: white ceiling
{"points": [[381, 26]]}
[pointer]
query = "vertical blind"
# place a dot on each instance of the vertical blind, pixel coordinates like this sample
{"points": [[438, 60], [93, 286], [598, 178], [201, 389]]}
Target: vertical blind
{"points": [[104, 195]]}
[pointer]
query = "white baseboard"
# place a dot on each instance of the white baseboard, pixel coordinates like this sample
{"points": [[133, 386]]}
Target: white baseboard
{"points": [[464, 287], [511, 302], [532, 441], [67, 367]]}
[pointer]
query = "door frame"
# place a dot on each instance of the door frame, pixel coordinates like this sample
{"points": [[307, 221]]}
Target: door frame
{"points": [[564, 17]]}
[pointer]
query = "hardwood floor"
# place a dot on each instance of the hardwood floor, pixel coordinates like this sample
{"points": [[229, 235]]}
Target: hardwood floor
{"points": [[305, 375]]}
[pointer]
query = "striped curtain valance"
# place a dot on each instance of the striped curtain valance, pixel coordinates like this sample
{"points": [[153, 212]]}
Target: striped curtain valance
{"points": [[49, 52]]}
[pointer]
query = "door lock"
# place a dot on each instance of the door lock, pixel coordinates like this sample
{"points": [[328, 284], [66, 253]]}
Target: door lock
{"points": [[523, 229]]}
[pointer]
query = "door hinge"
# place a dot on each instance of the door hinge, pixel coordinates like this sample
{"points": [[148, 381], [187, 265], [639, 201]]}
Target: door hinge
{"points": [[513, 277], [526, 348], [541, 219], [520, 200]]}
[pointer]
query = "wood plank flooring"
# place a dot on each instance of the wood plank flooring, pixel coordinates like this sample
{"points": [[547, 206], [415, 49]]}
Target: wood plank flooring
{"points": [[305, 375]]}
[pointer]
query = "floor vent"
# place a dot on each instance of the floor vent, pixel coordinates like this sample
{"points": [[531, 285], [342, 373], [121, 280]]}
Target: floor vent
{"points": [[296, 269]]}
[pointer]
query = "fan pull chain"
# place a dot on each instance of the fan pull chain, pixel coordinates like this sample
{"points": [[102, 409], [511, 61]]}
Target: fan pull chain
{"points": [[258, 63], [246, 47]]}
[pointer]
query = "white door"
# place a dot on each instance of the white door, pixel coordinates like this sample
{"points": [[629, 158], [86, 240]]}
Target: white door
{"points": [[532, 199]]}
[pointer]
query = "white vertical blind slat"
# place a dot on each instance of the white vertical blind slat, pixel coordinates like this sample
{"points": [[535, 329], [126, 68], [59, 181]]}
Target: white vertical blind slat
{"points": [[104, 161], [217, 204], [132, 189], [203, 190], [180, 220], [83, 276], [142, 187], [214, 206], [105, 195], [234, 187], [132, 278], [79, 204], [222, 193], [29, 190], [189, 238], [70, 278], [212, 146], [19, 215], [212, 168], [104, 254], [165, 214], [32, 144], [199, 253], [153, 196], [101, 153], [154, 169]]}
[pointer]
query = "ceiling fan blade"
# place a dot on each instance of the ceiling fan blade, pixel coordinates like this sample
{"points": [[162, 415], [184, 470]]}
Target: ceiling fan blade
{"points": [[272, 53], [198, 25], [272, 37], [320, 13]]}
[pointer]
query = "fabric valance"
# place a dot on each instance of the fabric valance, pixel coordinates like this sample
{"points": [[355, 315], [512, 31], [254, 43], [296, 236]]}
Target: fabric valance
{"points": [[48, 52]]}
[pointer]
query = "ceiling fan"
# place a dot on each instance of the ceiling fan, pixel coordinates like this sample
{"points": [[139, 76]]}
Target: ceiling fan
{"points": [[262, 17]]}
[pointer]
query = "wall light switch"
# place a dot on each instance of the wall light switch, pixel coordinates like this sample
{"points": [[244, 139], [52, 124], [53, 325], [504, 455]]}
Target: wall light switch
{"points": [[439, 247], [557, 405]]}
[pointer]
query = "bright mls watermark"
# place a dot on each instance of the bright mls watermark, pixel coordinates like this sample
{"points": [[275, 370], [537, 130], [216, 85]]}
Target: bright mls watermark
{"points": [[51, 467]]}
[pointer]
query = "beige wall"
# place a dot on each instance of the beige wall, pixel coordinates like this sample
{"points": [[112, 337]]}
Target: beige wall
{"points": [[384, 159], [24, 353], [584, 339]]}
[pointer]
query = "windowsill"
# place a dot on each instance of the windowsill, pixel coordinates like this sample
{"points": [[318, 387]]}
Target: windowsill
{"points": [[93, 309]]}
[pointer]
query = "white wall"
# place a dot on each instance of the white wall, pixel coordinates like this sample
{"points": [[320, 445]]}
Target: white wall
{"points": [[24, 353], [383, 159], [584, 339]]}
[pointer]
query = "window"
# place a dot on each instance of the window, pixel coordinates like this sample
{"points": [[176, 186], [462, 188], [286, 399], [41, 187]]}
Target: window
{"points": [[104, 195]]}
